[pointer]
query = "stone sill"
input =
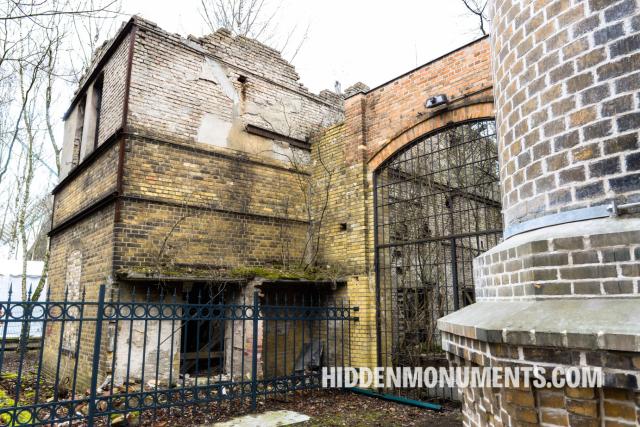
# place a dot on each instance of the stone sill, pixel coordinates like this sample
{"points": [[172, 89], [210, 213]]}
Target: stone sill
{"points": [[592, 324]]}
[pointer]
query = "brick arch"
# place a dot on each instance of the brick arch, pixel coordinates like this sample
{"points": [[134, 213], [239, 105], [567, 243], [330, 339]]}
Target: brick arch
{"points": [[483, 110]]}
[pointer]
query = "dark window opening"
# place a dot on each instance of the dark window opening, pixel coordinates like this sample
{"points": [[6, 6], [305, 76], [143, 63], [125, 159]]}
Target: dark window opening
{"points": [[202, 348], [468, 296], [77, 140], [97, 102]]}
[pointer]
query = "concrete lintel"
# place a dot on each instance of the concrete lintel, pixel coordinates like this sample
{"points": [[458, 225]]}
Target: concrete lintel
{"points": [[595, 324], [133, 276]]}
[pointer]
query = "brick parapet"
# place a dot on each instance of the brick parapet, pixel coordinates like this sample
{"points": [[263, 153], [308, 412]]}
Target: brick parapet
{"points": [[391, 109]]}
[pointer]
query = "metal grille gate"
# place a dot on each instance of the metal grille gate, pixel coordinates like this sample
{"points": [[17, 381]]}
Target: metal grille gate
{"points": [[437, 206]]}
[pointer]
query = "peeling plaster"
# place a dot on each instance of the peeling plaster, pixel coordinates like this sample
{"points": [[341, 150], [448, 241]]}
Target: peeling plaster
{"points": [[214, 130], [276, 116], [213, 71]]}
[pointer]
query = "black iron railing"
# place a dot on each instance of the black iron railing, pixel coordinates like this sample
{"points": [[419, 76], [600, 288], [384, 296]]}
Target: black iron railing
{"points": [[101, 360]]}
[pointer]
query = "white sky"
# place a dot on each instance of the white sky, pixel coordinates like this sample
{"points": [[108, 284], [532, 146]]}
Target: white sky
{"points": [[349, 40]]}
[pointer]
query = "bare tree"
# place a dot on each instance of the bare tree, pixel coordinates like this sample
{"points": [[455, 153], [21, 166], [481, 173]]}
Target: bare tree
{"points": [[39, 45], [35, 33], [256, 19], [479, 9], [315, 180]]}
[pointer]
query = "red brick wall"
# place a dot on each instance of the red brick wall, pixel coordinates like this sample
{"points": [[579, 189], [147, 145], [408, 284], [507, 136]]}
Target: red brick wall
{"points": [[378, 123], [397, 106]]}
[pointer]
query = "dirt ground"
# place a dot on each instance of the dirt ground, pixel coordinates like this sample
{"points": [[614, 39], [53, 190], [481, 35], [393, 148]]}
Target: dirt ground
{"points": [[350, 409], [325, 407]]}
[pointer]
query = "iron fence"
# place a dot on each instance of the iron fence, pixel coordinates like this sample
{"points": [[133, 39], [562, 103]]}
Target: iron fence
{"points": [[115, 358]]}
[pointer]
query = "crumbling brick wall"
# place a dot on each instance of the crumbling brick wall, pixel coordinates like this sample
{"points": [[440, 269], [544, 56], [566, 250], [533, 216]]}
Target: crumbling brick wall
{"points": [[213, 193], [176, 184], [227, 197]]}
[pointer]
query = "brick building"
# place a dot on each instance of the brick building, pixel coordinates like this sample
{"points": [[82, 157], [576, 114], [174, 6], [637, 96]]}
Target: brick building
{"points": [[183, 163], [204, 163]]}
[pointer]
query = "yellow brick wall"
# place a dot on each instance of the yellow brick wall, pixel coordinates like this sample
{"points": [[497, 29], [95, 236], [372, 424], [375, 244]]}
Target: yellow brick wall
{"points": [[195, 210], [341, 197], [93, 239], [89, 186], [361, 293], [343, 193]]}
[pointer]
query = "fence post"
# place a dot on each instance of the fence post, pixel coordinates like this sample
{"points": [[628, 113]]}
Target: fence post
{"points": [[96, 356], [254, 354], [454, 275]]}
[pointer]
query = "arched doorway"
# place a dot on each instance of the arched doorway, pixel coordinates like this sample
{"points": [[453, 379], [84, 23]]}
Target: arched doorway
{"points": [[437, 207]]}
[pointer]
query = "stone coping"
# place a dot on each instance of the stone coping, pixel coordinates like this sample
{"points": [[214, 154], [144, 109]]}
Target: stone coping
{"points": [[590, 227], [594, 323]]}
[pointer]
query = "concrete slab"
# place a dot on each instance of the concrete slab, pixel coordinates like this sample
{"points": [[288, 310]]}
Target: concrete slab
{"points": [[266, 419], [594, 323]]}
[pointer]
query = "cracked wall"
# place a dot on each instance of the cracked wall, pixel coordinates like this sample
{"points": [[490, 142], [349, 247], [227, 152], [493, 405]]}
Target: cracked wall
{"points": [[226, 197]]}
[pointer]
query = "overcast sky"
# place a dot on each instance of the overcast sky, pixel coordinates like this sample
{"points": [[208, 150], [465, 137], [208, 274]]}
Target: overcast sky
{"points": [[348, 40]]}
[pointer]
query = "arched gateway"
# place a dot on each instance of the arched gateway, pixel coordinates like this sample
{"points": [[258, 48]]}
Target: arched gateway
{"points": [[437, 207]]}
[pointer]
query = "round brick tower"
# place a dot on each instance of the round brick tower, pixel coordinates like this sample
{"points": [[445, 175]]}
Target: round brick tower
{"points": [[562, 289]]}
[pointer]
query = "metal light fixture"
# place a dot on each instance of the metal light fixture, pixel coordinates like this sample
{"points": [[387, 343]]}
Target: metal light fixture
{"points": [[436, 101]]}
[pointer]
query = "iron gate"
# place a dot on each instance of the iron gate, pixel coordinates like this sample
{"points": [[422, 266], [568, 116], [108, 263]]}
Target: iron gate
{"points": [[437, 206]]}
